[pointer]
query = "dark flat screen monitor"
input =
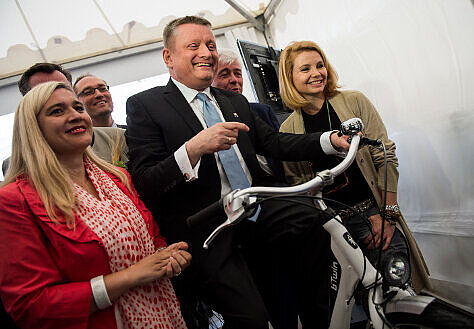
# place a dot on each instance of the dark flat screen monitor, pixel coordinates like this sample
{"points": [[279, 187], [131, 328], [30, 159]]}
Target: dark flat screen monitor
{"points": [[262, 68]]}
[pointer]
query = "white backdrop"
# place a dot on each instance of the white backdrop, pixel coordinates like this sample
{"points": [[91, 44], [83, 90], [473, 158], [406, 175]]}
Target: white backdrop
{"points": [[414, 59]]}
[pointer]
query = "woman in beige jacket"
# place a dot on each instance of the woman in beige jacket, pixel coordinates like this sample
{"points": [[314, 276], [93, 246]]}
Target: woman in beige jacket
{"points": [[308, 85]]}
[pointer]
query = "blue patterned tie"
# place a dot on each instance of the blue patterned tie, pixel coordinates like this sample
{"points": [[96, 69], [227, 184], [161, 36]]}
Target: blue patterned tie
{"points": [[230, 162]]}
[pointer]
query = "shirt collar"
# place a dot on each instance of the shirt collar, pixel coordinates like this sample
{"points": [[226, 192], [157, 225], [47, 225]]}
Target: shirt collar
{"points": [[189, 93]]}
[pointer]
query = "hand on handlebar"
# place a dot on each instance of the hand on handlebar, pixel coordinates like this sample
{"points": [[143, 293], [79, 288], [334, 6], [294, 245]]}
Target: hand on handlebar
{"points": [[389, 229], [340, 142]]}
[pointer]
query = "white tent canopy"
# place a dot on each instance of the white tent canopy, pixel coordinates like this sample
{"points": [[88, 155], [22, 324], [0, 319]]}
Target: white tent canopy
{"points": [[102, 35], [412, 58], [63, 31]]}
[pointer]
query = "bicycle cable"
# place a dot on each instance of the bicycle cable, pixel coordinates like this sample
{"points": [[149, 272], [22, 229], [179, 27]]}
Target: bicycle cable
{"points": [[358, 212], [377, 268], [384, 204], [365, 220]]}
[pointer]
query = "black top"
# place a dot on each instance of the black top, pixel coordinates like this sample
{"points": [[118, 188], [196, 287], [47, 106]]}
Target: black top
{"points": [[349, 187]]}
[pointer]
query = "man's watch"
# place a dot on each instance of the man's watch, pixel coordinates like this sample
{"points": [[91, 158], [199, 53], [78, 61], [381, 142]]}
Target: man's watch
{"points": [[393, 208]]}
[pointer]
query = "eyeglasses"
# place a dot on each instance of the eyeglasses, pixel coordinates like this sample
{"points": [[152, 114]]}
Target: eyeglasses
{"points": [[91, 91]]}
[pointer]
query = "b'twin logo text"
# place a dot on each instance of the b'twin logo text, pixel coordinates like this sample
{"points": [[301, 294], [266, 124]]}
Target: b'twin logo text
{"points": [[350, 240], [334, 276]]}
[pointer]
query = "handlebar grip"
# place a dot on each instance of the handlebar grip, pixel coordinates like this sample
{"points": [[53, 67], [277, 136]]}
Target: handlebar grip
{"points": [[207, 214], [368, 141]]}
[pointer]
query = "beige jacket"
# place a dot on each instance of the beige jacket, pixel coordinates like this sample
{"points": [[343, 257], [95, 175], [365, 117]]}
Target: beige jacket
{"points": [[109, 144], [350, 104]]}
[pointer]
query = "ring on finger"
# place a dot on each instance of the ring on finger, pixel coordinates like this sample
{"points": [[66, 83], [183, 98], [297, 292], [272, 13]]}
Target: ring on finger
{"points": [[177, 274], [229, 139]]}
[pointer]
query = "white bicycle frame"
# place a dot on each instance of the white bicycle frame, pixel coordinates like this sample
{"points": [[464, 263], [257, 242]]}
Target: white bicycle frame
{"points": [[355, 267]]}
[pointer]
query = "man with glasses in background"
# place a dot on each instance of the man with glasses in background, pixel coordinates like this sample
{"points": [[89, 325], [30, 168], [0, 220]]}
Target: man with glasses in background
{"points": [[95, 95]]}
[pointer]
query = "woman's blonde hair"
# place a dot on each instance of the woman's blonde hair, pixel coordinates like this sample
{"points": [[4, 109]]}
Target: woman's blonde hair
{"points": [[33, 158], [291, 97]]}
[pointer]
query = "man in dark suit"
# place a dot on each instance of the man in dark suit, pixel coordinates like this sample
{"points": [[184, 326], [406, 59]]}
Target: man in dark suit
{"points": [[229, 77], [176, 168]]}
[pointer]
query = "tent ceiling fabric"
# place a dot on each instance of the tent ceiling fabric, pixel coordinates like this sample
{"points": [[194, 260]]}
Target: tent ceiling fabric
{"points": [[63, 31]]}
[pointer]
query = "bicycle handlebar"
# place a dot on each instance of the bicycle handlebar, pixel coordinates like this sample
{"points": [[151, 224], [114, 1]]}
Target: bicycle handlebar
{"points": [[310, 185], [212, 211], [235, 204]]}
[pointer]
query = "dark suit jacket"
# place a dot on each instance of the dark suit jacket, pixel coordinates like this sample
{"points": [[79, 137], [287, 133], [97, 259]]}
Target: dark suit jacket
{"points": [[160, 120], [266, 113]]}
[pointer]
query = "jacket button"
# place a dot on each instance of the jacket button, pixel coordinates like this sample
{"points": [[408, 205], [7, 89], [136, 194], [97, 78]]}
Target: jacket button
{"points": [[361, 160]]}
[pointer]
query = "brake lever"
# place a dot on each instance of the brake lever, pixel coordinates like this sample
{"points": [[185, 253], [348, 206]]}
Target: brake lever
{"points": [[352, 127], [235, 211]]}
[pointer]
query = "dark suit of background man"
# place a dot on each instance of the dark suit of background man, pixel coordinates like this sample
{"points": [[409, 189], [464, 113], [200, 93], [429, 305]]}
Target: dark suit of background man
{"points": [[177, 172]]}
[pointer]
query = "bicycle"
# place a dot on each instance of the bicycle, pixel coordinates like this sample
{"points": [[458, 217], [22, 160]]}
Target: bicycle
{"points": [[390, 301]]}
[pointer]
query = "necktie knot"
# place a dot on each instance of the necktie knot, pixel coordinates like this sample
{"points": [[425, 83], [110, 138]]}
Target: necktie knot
{"points": [[202, 97], [209, 110]]}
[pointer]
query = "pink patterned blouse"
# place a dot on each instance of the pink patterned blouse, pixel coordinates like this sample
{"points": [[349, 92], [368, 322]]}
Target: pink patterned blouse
{"points": [[121, 228]]}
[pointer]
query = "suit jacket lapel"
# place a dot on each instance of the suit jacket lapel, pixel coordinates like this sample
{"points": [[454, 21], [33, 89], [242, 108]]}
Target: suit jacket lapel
{"points": [[226, 106], [176, 100]]}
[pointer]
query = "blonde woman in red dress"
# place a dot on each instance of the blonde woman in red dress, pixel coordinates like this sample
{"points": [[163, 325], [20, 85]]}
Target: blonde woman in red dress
{"points": [[78, 248]]}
